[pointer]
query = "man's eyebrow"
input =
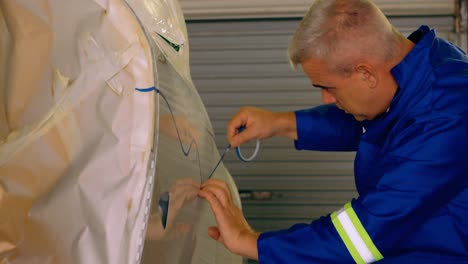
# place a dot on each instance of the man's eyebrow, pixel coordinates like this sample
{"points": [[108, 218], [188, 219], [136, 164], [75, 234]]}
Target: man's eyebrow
{"points": [[322, 86]]}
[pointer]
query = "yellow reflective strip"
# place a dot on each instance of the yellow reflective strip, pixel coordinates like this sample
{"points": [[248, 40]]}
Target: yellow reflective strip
{"points": [[362, 232], [349, 245]]}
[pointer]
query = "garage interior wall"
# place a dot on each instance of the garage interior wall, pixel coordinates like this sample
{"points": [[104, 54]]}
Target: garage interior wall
{"points": [[238, 58]]}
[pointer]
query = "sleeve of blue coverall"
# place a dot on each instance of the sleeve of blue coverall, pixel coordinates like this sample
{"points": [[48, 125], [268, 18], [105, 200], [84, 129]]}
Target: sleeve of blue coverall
{"points": [[327, 128], [426, 168]]}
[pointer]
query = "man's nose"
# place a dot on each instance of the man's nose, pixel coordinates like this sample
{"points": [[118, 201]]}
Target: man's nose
{"points": [[327, 97]]}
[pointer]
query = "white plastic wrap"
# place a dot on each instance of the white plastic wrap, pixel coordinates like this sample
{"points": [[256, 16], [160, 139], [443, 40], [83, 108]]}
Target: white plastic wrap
{"points": [[84, 156]]}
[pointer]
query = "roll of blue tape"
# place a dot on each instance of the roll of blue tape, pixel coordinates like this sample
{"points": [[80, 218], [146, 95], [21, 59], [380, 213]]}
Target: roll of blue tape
{"points": [[254, 154]]}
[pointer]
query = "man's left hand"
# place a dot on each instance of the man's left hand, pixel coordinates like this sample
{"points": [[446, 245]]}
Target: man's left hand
{"points": [[232, 231]]}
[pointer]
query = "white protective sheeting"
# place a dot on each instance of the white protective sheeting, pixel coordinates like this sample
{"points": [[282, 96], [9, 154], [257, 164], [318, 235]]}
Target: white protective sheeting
{"points": [[84, 156]]}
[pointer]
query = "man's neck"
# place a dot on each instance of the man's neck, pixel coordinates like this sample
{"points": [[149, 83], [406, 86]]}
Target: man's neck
{"points": [[405, 48]]}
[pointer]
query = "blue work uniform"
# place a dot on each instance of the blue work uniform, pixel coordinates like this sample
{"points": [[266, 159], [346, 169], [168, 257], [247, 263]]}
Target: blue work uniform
{"points": [[411, 170]]}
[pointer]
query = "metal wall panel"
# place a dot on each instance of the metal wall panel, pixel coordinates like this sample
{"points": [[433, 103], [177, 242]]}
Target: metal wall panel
{"points": [[214, 9], [243, 62]]}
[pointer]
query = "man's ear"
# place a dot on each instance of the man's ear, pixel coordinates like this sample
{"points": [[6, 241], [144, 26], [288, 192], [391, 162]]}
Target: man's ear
{"points": [[368, 74]]}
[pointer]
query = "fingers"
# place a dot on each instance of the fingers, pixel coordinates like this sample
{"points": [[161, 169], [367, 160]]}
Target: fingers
{"points": [[214, 233], [219, 190], [218, 196], [221, 184], [232, 229], [258, 124], [246, 135], [240, 119], [215, 204], [245, 117]]}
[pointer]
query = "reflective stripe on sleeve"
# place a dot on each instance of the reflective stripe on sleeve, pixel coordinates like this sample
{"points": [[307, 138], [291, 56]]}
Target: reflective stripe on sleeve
{"points": [[354, 236]]}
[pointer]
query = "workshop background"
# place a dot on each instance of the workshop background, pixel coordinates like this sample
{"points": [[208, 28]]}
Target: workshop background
{"points": [[238, 58]]}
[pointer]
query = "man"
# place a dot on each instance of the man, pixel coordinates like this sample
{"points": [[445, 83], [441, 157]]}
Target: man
{"points": [[402, 104]]}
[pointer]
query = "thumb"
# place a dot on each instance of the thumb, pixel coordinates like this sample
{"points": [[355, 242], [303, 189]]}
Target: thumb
{"points": [[214, 233], [242, 137]]}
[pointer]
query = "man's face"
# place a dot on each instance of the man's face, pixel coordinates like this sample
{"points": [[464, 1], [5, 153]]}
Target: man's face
{"points": [[351, 94]]}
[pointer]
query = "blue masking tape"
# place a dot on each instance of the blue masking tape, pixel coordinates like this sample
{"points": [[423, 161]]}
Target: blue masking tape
{"points": [[147, 90]]}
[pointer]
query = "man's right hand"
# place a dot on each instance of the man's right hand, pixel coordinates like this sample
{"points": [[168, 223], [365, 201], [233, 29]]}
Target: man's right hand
{"points": [[260, 124]]}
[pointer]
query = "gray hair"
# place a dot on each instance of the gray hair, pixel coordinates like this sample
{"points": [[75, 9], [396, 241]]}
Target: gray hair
{"points": [[343, 31]]}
